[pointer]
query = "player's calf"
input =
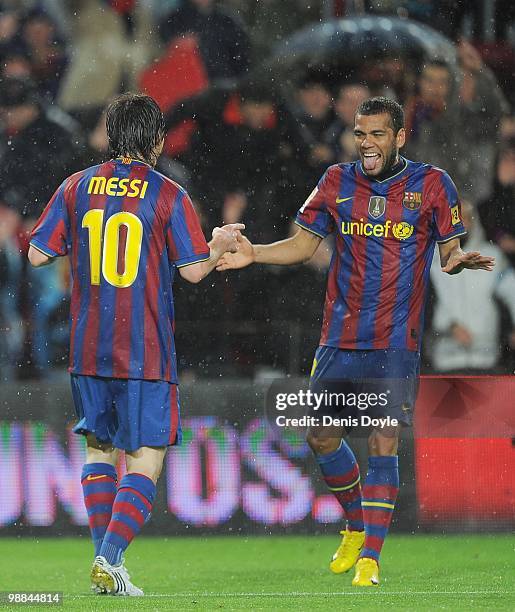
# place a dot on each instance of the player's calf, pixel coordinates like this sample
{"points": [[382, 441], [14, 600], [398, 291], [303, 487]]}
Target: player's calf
{"points": [[133, 503], [98, 481]]}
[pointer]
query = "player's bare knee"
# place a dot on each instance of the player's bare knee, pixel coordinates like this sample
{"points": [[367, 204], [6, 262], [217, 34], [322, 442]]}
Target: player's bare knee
{"points": [[147, 461], [384, 442], [322, 444], [100, 452]]}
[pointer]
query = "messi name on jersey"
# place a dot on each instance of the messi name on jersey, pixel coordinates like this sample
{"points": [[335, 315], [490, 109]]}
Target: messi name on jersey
{"points": [[115, 186]]}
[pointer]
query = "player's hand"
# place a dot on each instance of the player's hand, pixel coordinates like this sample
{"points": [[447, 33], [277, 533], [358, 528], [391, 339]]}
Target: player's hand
{"points": [[243, 258], [472, 261], [226, 238], [234, 228]]}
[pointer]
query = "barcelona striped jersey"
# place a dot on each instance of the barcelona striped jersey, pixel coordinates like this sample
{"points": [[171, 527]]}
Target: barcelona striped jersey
{"points": [[385, 234], [126, 229]]}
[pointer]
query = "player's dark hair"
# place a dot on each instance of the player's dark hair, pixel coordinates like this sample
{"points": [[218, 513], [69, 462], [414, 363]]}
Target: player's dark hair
{"points": [[135, 126], [380, 105]]}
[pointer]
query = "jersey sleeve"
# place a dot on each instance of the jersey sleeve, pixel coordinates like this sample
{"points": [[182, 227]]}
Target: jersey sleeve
{"points": [[447, 221], [314, 214], [51, 233], [184, 238]]}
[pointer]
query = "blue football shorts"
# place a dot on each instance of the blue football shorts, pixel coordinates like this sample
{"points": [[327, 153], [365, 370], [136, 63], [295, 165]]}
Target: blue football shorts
{"points": [[127, 413], [393, 373]]}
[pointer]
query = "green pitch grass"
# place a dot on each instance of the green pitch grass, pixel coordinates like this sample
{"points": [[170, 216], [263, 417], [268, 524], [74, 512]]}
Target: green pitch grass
{"points": [[272, 573]]}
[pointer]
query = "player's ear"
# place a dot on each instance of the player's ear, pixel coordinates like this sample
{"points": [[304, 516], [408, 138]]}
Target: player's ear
{"points": [[401, 138]]}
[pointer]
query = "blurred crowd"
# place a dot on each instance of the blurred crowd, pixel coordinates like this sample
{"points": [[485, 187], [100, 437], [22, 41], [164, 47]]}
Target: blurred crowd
{"points": [[247, 150]]}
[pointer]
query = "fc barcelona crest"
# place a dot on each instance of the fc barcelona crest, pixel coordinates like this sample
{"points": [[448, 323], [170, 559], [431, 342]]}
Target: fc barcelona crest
{"points": [[412, 200], [376, 206]]}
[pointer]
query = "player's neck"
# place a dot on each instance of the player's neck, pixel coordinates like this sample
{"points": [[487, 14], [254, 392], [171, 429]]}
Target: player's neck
{"points": [[387, 173]]}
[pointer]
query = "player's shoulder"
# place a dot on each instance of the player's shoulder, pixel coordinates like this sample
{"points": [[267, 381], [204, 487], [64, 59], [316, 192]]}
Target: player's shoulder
{"points": [[170, 192], [433, 175], [169, 184], [70, 183], [342, 167], [335, 171], [87, 172]]}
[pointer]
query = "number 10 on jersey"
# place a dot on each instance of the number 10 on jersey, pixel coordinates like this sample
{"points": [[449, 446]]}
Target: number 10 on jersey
{"points": [[107, 258]]}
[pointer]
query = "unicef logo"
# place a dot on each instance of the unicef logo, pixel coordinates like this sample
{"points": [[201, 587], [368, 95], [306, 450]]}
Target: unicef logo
{"points": [[402, 230]]}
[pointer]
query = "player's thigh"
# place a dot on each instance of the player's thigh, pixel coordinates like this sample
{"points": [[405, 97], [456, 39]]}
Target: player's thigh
{"points": [[392, 375], [94, 408], [148, 414], [335, 376]]}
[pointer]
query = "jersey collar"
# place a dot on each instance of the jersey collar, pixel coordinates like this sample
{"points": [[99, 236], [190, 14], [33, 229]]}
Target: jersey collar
{"points": [[130, 160]]}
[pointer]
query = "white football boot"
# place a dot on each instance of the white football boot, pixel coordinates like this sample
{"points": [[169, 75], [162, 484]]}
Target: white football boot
{"points": [[112, 579]]}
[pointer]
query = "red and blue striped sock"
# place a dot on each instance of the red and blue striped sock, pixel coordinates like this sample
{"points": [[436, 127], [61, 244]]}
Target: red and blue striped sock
{"points": [[99, 487], [341, 474], [379, 495], [131, 509]]}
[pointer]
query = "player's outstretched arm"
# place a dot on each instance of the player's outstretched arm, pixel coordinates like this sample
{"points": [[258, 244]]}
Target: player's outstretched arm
{"points": [[297, 249], [38, 258], [225, 239], [453, 260]]}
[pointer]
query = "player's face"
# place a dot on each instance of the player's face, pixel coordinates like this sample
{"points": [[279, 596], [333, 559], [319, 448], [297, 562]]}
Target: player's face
{"points": [[376, 144]]}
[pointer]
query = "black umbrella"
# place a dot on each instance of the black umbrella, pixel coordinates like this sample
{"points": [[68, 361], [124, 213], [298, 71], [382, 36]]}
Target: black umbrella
{"points": [[341, 44]]}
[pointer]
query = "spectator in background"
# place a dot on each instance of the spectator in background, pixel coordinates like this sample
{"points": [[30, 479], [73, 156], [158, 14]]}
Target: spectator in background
{"points": [[457, 130], [16, 63], [314, 106], [45, 51], [34, 155], [390, 76], [497, 212], [314, 114], [235, 154], [222, 40], [106, 54], [34, 151], [9, 29], [53, 8], [340, 135], [466, 318], [236, 159]]}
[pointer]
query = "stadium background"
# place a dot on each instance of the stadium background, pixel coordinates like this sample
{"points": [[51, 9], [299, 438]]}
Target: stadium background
{"points": [[64, 60]]}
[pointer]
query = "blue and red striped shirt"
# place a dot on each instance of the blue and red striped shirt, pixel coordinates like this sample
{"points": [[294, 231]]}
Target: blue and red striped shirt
{"points": [[126, 228], [385, 235]]}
